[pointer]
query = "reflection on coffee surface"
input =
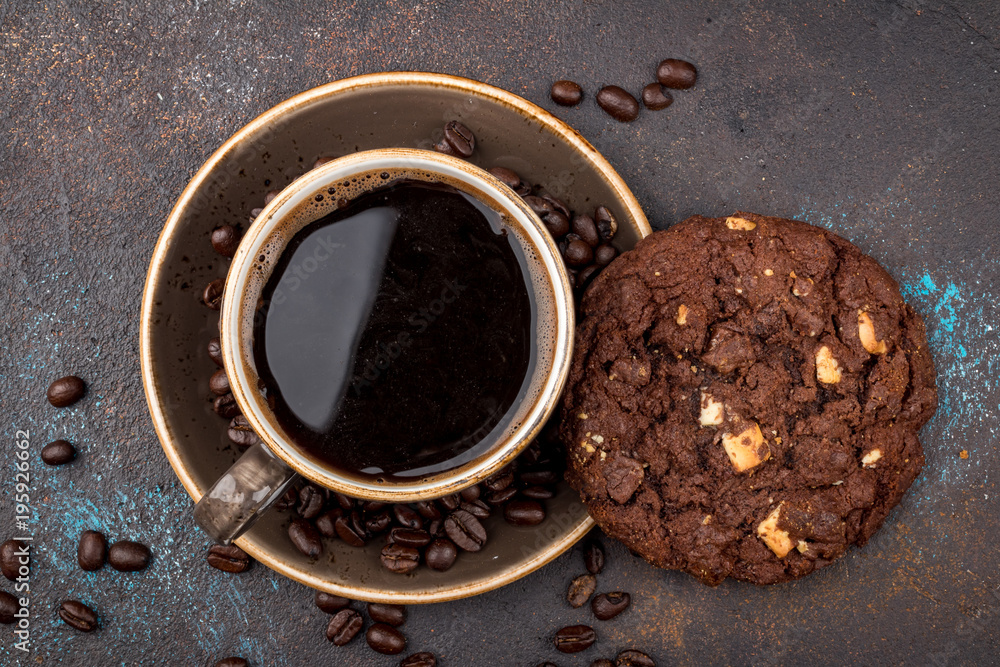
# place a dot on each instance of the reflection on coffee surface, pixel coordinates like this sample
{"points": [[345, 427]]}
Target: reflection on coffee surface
{"points": [[396, 337]]}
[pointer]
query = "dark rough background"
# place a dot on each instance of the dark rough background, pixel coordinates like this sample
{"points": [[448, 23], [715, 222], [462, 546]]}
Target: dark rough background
{"points": [[877, 120]]}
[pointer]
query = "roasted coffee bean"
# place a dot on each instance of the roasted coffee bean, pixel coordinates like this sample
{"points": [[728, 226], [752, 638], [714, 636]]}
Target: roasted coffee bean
{"points": [[329, 603], [78, 616], [441, 554], [66, 391], [225, 406], [232, 662], [575, 638], [215, 351], [436, 527], [287, 501], [465, 530], [546, 664], [656, 98], [269, 197], [385, 639], [409, 537], [428, 510], [399, 559], [584, 227], [538, 492], [212, 296], [578, 253], [326, 522], [92, 550], [607, 224], [373, 506], [580, 590], [348, 532], [255, 213], [540, 206], [633, 658], [320, 161], [391, 614], [9, 606], [497, 498], [608, 605], [618, 103], [477, 508], [524, 512], [506, 176], [604, 254], [593, 556], [241, 433], [499, 480], [674, 73], [218, 384], [460, 138], [407, 516], [225, 240], [228, 558], [602, 662], [559, 205], [585, 275], [423, 659], [539, 476], [557, 224], [470, 493], [129, 556], [566, 93], [58, 452], [310, 502], [450, 502], [378, 523], [306, 538], [344, 626], [345, 502]]}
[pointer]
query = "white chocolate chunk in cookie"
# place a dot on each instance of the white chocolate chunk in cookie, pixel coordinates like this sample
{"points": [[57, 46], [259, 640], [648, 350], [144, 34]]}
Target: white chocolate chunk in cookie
{"points": [[827, 368], [712, 411], [682, 314], [870, 458], [740, 224], [866, 332], [776, 539], [746, 449]]}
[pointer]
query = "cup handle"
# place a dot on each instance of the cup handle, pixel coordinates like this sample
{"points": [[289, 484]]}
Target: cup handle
{"points": [[243, 494]]}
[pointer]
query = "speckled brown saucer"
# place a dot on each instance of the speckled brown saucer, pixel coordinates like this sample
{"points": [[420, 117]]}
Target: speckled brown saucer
{"points": [[372, 111]]}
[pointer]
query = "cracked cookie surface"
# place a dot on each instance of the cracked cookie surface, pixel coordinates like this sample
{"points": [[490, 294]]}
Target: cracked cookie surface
{"points": [[745, 398]]}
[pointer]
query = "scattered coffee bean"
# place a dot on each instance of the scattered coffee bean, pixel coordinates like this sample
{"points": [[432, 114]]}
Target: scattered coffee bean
{"points": [[320, 161], [343, 501], [344, 626], [566, 93], [584, 227], [228, 558], [379, 522], [674, 73], [225, 240], [604, 254], [538, 492], [656, 98], [423, 659], [225, 406], [232, 662], [465, 530], [559, 205], [428, 510], [330, 603], [441, 554], [347, 531], [593, 556], [578, 253], [385, 639], [602, 662], [575, 638], [66, 391], [580, 590], [608, 605], [241, 433], [218, 384], [497, 498], [78, 616], [58, 452], [477, 508], [305, 538], [542, 476], [310, 502], [407, 516], [212, 296], [585, 275], [507, 176], [9, 606], [287, 501], [129, 556], [471, 493], [215, 351], [450, 502], [408, 537], [11, 553], [524, 513], [92, 550], [633, 658], [607, 225], [269, 197], [399, 559], [618, 103], [557, 223], [390, 614], [459, 139]]}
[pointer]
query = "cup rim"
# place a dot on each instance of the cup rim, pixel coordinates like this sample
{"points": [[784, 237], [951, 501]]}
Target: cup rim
{"points": [[290, 200]]}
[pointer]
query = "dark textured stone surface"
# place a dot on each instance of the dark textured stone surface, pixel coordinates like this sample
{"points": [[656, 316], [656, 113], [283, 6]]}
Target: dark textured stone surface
{"points": [[878, 122]]}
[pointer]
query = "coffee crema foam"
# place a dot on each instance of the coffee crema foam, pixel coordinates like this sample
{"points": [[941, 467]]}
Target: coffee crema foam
{"points": [[338, 195]]}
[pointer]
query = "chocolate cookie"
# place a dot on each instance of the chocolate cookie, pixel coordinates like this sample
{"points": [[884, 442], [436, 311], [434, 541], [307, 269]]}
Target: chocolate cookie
{"points": [[745, 398]]}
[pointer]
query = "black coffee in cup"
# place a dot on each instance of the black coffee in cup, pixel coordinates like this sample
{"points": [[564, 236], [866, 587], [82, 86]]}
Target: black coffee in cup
{"points": [[397, 333]]}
